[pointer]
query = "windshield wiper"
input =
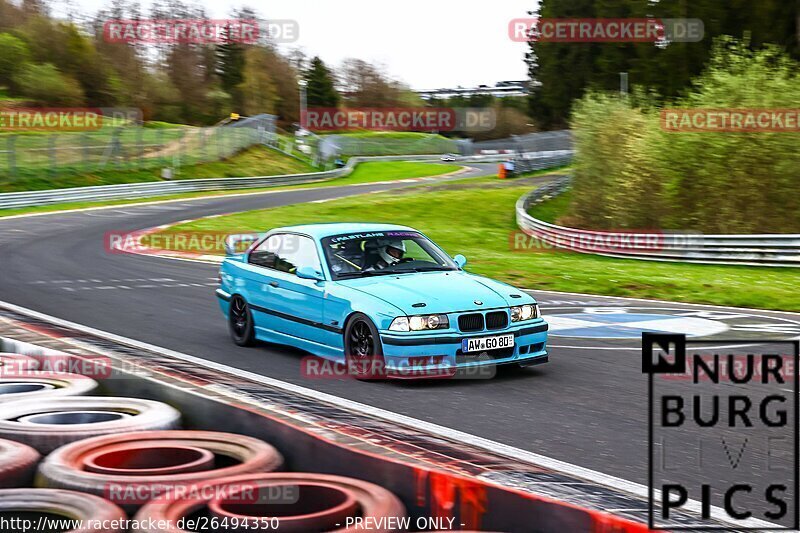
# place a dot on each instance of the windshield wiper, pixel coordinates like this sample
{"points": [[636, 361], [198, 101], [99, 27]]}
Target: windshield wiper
{"points": [[423, 269], [363, 273]]}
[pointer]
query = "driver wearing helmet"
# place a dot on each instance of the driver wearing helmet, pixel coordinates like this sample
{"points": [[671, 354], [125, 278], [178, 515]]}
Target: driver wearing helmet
{"points": [[390, 252]]}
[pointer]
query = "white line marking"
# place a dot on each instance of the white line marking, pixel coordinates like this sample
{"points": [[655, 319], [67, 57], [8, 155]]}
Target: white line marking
{"points": [[491, 446]]}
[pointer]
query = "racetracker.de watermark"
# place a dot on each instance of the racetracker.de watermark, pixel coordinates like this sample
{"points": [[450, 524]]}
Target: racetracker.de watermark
{"points": [[542, 241], [414, 367], [731, 120], [605, 30], [200, 31], [66, 118], [400, 119], [54, 365], [198, 242], [242, 493]]}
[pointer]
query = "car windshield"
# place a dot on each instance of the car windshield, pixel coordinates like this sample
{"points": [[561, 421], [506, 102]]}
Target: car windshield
{"points": [[383, 252]]}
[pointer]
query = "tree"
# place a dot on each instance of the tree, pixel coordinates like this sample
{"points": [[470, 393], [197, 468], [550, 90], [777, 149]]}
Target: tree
{"points": [[285, 77], [366, 85], [562, 72], [320, 91], [259, 94], [230, 65], [11, 16], [14, 55], [47, 86]]}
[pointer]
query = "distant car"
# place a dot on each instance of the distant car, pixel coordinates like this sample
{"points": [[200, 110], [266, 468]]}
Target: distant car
{"points": [[383, 299], [448, 157]]}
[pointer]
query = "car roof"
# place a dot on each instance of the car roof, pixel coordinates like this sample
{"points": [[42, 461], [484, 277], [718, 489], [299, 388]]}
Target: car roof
{"points": [[319, 231]]}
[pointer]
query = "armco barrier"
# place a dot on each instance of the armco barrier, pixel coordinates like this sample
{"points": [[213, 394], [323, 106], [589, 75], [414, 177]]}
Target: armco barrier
{"points": [[753, 250], [159, 188]]}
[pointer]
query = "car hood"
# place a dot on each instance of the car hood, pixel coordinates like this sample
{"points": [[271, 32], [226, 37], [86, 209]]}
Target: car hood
{"points": [[441, 292]]}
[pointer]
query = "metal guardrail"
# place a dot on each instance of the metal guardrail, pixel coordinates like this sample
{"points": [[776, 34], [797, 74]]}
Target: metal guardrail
{"points": [[531, 142], [128, 191], [753, 250]]}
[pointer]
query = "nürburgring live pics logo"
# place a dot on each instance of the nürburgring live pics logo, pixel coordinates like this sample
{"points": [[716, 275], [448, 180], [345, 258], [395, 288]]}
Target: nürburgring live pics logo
{"points": [[722, 433]]}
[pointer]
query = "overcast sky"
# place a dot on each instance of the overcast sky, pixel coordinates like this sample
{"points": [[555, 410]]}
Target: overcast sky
{"points": [[426, 43]]}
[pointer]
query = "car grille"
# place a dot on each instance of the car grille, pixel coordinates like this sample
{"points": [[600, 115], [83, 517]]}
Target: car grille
{"points": [[470, 322], [496, 320]]}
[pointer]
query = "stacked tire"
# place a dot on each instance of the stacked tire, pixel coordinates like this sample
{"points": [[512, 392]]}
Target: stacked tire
{"points": [[53, 422], [17, 464], [133, 469]]}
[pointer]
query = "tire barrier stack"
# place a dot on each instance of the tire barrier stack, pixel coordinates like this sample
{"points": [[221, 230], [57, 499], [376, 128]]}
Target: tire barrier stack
{"points": [[101, 459]]}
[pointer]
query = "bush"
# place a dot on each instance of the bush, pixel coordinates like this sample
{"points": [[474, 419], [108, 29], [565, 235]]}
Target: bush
{"points": [[14, 55], [630, 173], [45, 84]]}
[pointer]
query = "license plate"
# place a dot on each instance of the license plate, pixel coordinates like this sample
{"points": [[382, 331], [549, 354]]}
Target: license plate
{"points": [[481, 344]]}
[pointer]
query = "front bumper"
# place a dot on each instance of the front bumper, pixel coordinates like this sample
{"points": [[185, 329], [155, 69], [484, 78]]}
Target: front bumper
{"points": [[431, 353]]}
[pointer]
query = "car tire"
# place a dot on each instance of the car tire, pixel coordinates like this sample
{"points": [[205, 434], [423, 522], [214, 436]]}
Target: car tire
{"points": [[49, 424], [373, 503], [240, 322], [71, 466], [17, 464], [66, 505], [35, 385], [363, 349]]}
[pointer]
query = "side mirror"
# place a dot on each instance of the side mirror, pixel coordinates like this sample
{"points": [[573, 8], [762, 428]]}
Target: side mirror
{"points": [[460, 260], [309, 273]]}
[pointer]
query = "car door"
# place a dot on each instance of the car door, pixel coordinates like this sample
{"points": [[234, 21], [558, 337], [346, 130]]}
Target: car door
{"points": [[258, 277], [296, 304]]}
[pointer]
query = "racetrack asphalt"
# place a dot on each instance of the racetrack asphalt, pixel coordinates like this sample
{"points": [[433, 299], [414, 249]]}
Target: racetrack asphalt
{"points": [[587, 406]]}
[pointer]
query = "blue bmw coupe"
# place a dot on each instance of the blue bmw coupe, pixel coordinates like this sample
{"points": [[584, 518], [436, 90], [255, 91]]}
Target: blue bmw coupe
{"points": [[383, 299]]}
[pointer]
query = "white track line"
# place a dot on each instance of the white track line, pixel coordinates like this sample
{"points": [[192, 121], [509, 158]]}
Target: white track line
{"points": [[367, 410]]}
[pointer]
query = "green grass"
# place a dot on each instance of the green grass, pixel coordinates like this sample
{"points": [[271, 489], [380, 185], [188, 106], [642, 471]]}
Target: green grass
{"points": [[479, 223], [551, 210], [364, 173], [256, 161], [393, 170]]}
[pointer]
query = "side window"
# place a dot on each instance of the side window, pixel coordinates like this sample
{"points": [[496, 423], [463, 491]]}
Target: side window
{"points": [[265, 253], [286, 252]]}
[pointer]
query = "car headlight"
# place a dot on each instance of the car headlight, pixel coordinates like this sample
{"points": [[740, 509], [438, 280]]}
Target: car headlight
{"points": [[419, 323], [524, 312]]}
